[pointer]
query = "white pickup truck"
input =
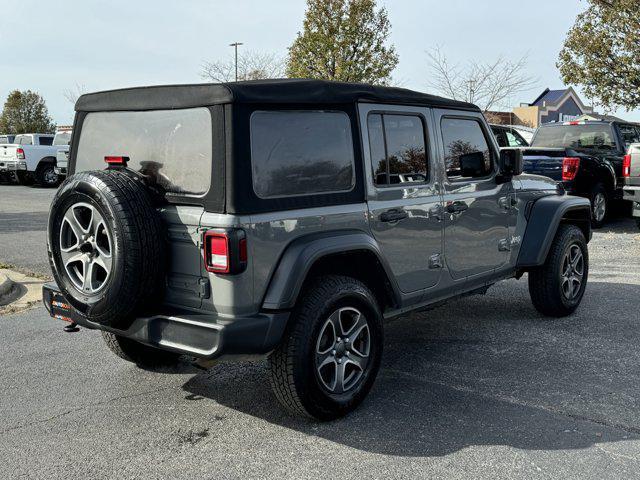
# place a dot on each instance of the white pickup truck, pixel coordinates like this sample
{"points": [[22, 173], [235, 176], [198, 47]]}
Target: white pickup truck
{"points": [[631, 175], [62, 140], [32, 157]]}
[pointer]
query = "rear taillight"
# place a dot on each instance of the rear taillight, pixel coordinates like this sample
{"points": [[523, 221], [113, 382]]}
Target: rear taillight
{"points": [[570, 166], [20, 153], [626, 166], [225, 252], [116, 161]]}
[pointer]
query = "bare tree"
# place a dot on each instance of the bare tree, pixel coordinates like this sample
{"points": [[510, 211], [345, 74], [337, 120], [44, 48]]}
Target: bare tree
{"points": [[72, 94], [251, 66], [488, 85]]}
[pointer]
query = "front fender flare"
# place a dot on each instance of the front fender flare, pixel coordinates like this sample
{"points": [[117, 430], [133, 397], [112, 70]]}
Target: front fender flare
{"points": [[544, 218], [302, 253]]}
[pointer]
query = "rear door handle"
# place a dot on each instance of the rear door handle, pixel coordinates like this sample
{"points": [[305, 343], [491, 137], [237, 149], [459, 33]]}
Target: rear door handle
{"points": [[393, 215], [457, 207]]}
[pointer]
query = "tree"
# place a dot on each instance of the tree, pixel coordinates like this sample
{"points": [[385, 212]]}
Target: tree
{"points": [[25, 112], [488, 85], [251, 66], [72, 94], [343, 40], [602, 53]]}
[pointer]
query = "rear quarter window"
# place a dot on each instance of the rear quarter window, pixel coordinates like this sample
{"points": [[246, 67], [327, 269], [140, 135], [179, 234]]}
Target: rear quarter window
{"points": [[301, 153], [172, 146]]}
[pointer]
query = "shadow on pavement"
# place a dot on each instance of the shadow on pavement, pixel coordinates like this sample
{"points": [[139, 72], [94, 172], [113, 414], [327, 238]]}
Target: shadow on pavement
{"points": [[485, 370]]}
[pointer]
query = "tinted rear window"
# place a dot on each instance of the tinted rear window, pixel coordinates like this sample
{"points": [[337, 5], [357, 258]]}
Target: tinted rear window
{"points": [[301, 153], [575, 136], [173, 146]]}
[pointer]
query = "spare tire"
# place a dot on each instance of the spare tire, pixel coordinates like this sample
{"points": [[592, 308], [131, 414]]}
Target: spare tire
{"points": [[107, 245]]}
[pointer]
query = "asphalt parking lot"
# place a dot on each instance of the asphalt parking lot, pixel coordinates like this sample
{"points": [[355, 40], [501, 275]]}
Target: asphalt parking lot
{"points": [[483, 387]]}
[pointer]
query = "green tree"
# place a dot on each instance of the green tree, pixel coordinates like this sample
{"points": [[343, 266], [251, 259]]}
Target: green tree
{"points": [[343, 40], [25, 112], [602, 50]]}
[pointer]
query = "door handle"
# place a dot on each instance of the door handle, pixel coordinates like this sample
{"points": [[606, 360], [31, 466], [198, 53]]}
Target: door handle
{"points": [[393, 215], [457, 207]]}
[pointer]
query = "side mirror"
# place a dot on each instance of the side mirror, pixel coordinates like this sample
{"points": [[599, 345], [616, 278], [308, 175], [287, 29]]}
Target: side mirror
{"points": [[511, 162], [472, 164]]}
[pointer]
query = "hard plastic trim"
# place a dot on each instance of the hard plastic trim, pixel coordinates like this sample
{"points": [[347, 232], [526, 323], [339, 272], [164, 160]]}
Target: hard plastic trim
{"points": [[546, 215], [300, 256]]}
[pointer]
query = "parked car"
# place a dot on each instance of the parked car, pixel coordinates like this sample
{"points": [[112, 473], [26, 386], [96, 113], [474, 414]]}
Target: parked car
{"points": [[63, 141], [247, 219], [508, 136], [6, 175], [631, 174], [586, 156], [32, 157], [525, 132]]}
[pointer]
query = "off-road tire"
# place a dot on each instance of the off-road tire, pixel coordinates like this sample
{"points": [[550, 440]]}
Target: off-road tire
{"points": [[42, 177], [599, 189], [138, 353], [545, 282], [293, 371], [25, 178], [136, 282]]}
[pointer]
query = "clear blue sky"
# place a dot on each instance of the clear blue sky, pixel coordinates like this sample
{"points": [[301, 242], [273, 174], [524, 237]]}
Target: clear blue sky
{"points": [[50, 46]]}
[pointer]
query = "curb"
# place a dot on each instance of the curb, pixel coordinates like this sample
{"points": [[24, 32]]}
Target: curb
{"points": [[6, 285]]}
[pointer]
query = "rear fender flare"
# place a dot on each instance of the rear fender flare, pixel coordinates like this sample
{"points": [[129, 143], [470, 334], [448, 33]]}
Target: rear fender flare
{"points": [[300, 256], [545, 217]]}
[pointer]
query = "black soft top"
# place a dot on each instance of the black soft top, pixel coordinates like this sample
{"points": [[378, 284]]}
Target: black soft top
{"points": [[284, 91]]}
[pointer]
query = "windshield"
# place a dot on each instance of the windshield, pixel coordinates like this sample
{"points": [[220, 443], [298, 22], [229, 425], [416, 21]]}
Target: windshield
{"points": [[62, 138], [5, 139], [592, 136], [174, 147]]}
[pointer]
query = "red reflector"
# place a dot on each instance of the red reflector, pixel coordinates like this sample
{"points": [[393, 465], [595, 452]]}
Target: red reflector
{"points": [[574, 123], [20, 153], [116, 160], [217, 252], [242, 254], [626, 166], [570, 166]]}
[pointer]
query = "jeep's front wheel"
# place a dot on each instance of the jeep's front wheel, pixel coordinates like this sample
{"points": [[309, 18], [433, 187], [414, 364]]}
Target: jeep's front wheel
{"points": [[330, 357], [138, 353], [557, 287]]}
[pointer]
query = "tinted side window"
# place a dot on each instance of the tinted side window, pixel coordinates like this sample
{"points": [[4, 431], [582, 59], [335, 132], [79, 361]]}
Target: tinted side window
{"points": [[301, 153], [630, 134], [501, 136], [466, 150], [46, 141], [398, 153]]}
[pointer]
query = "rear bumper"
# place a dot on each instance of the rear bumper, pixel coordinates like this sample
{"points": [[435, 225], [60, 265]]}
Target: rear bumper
{"points": [[200, 335], [633, 195], [12, 166], [60, 170]]}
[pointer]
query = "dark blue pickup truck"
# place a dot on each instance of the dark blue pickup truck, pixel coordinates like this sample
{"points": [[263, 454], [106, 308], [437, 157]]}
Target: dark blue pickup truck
{"points": [[586, 156]]}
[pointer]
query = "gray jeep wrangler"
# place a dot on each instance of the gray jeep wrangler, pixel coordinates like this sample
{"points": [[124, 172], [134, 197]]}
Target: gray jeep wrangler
{"points": [[288, 219]]}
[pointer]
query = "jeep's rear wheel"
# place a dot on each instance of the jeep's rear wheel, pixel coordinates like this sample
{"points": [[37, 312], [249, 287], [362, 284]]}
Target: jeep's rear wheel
{"points": [[331, 355], [107, 246], [138, 353], [557, 287]]}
